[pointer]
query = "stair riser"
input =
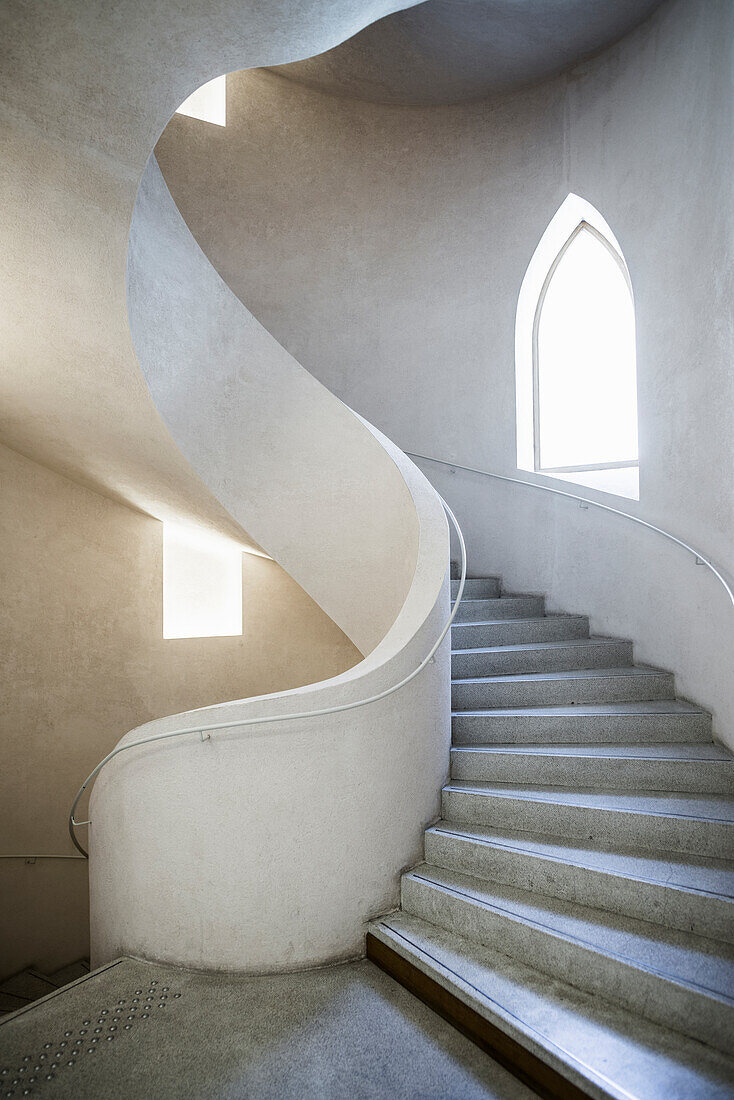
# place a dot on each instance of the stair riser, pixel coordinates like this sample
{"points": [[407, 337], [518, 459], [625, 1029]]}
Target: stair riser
{"points": [[609, 976], [564, 659], [508, 607], [602, 689], [29, 985], [623, 829], [519, 631], [478, 588], [702, 777], [704, 915], [491, 729]]}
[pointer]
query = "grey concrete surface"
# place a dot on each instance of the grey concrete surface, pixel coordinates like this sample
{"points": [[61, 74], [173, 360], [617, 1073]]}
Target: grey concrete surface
{"points": [[447, 51], [541, 657], [653, 720], [699, 824], [708, 769], [416, 225], [346, 1031], [691, 893], [598, 685], [610, 1052], [671, 977]]}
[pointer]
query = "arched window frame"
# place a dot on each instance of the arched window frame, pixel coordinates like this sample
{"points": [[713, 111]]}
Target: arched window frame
{"points": [[574, 216]]}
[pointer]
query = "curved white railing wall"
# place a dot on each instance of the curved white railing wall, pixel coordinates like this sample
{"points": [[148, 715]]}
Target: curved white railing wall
{"points": [[271, 851], [440, 305], [288, 460], [270, 848]]}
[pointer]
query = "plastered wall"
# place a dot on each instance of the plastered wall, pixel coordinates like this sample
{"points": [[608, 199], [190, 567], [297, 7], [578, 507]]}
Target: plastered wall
{"points": [[385, 248], [84, 660]]}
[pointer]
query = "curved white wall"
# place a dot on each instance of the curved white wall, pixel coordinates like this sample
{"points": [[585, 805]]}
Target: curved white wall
{"points": [[338, 806], [269, 847], [421, 223], [287, 459]]}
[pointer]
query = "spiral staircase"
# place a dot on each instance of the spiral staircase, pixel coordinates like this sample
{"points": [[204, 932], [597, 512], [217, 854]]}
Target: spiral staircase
{"points": [[571, 916], [574, 910]]}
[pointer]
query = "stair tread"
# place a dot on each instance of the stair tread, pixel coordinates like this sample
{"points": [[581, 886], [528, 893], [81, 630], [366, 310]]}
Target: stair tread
{"points": [[693, 752], [504, 596], [677, 870], [634, 671], [704, 807], [482, 577], [30, 983], [529, 647], [703, 965], [641, 707], [554, 616], [69, 973], [586, 1037]]}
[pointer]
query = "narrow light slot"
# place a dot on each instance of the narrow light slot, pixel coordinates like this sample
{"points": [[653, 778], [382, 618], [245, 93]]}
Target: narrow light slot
{"points": [[208, 103], [202, 584]]}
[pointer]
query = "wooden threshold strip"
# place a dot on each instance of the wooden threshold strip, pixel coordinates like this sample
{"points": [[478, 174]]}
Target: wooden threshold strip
{"points": [[547, 1082]]}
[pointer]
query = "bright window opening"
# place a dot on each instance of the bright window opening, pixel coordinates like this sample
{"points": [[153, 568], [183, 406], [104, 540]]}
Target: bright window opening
{"points": [[209, 102], [575, 357], [202, 584], [586, 384]]}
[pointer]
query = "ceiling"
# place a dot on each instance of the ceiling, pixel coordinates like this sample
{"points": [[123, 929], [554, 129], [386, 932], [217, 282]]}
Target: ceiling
{"points": [[451, 51]]}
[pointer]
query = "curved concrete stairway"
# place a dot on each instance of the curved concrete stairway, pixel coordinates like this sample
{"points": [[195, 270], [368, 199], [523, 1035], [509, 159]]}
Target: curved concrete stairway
{"points": [[574, 913], [29, 985]]}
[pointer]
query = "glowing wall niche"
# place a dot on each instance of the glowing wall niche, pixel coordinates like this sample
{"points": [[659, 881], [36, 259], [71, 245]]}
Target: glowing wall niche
{"points": [[202, 584]]}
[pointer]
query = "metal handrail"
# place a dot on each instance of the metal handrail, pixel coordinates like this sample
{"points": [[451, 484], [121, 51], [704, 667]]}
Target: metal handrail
{"points": [[701, 559], [206, 729]]}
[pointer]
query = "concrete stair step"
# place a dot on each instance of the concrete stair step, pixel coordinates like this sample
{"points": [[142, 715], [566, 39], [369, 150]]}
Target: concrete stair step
{"points": [[478, 588], [690, 893], [29, 984], [71, 972], [504, 660], [699, 824], [606, 1051], [600, 685], [670, 977], [548, 628], [694, 768], [9, 1002], [643, 721], [502, 607]]}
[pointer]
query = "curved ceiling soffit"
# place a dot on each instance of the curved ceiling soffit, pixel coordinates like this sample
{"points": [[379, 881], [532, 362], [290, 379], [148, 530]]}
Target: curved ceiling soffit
{"points": [[452, 51], [73, 368]]}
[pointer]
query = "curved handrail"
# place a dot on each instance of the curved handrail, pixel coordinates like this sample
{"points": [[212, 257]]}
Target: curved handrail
{"points": [[202, 729], [700, 558]]}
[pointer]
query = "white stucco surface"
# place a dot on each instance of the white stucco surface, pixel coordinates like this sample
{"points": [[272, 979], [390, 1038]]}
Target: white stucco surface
{"points": [[268, 848], [272, 851], [414, 227]]}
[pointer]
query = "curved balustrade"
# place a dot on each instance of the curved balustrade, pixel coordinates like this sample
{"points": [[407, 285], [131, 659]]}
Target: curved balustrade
{"points": [[208, 729], [271, 851], [700, 557]]}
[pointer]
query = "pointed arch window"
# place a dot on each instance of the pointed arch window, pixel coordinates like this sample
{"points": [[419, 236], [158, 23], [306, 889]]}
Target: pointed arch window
{"points": [[576, 361]]}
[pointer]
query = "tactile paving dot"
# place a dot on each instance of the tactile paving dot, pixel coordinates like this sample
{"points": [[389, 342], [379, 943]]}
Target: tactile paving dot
{"points": [[64, 1059]]}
